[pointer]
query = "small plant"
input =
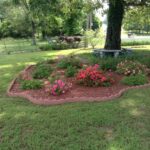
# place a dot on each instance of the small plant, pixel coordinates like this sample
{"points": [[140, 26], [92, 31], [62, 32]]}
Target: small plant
{"points": [[70, 61], [45, 47], [57, 88], [139, 79], [31, 84], [42, 71], [71, 71], [91, 76], [128, 67]]}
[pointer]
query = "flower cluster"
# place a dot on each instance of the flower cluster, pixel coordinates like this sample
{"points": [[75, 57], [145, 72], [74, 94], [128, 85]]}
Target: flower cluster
{"points": [[57, 88], [91, 76], [131, 68]]}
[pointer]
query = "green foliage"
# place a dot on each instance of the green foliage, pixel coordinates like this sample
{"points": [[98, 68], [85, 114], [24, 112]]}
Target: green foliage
{"points": [[71, 71], [94, 37], [139, 79], [45, 47], [107, 63], [15, 24], [70, 61], [31, 84], [42, 71], [137, 20], [59, 45]]}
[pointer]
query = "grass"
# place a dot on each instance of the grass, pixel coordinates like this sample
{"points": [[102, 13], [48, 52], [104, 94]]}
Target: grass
{"points": [[9, 45], [122, 124]]}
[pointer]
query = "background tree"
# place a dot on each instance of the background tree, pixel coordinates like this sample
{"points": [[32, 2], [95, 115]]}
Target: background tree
{"points": [[137, 20], [116, 13]]}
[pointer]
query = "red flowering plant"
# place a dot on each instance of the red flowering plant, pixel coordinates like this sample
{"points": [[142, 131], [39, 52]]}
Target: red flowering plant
{"points": [[57, 88], [92, 76]]}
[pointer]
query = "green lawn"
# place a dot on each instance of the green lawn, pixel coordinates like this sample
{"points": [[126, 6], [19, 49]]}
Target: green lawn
{"points": [[121, 124], [10, 45]]}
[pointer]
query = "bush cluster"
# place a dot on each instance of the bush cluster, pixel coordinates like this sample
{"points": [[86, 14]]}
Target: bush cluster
{"points": [[57, 88], [70, 61], [91, 76], [131, 68], [71, 71], [42, 71], [139, 79]]}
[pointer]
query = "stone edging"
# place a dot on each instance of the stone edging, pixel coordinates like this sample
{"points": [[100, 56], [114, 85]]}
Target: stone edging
{"points": [[68, 100]]}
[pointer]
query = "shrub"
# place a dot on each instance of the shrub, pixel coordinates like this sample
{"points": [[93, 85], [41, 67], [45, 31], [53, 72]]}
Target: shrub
{"points": [[71, 71], [57, 88], [139, 79], [45, 47], [42, 71], [70, 61], [128, 67], [91, 76], [108, 63], [31, 84], [59, 45]]}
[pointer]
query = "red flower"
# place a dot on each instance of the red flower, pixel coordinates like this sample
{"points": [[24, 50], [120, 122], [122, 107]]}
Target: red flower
{"points": [[92, 76]]}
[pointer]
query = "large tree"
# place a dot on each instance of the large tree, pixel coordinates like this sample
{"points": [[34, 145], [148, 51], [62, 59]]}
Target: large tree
{"points": [[115, 17]]}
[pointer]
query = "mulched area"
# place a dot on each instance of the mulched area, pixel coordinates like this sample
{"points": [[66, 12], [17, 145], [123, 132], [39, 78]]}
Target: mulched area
{"points": [[77, 92]]}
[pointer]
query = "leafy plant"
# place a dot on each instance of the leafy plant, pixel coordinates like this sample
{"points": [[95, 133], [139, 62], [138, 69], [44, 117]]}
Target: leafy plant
{"points": [[70, 61], [42, 71], [91, 76], [71, 71], [31, 84], [131, 68], [139, 79], [45, 47]]}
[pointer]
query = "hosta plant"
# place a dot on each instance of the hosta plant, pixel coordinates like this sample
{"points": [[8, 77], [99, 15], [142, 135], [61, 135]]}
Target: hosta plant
{"points": [[92, 76]]}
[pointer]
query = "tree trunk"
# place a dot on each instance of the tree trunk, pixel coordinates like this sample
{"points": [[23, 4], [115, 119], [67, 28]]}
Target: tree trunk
{"points": [[115, 17], [33, 33]]}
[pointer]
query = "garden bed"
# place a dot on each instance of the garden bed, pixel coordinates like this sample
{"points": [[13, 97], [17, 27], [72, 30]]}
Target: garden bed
{"points": [[77, 93]]}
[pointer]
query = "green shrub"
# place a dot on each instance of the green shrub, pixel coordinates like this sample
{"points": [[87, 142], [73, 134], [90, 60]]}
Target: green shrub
{"points": [[71, 71], [109, 63], [128, 67], [70, 61], [42, 71], [45, 47], [132, 80], [31, 84], [59, 46], [106, 63]]}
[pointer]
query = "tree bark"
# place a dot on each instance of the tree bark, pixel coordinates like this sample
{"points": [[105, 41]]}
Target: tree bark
{"points": [[115, 17], [33, 33]]}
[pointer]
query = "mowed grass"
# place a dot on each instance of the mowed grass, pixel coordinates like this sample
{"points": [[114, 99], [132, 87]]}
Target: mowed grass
{"points": [[121, 124]]}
